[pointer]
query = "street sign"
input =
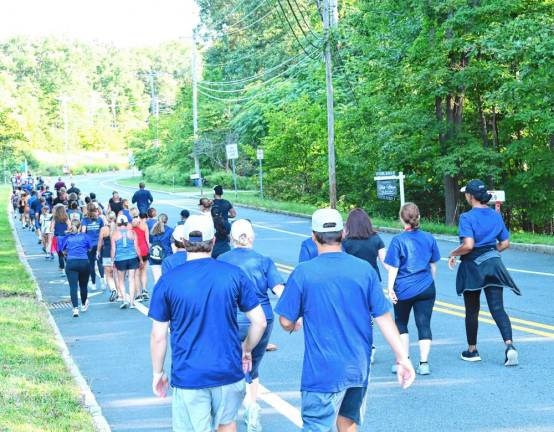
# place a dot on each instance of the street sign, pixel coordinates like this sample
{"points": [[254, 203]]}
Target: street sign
{"points": [[387, 188], [260, 154], [232, 151], [497, 196], [194, 176]]}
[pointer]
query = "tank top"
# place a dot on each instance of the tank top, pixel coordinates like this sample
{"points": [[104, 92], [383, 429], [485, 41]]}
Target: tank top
{"points": [[60, 228], [107, 247], [141, 237], [124, 247]]}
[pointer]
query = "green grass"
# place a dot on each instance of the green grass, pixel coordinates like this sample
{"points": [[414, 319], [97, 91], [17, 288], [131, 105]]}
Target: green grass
{"points": [[252, 198], [134, 181], [36, 390]]}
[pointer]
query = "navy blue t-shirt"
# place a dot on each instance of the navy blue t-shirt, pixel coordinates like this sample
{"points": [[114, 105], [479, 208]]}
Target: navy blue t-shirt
{"points": [[93, 227], [200, 300], [484, 225], [143, 199], [262, 272], [336, 294], [411, 252], [164, 239], [75, 245], [308, 250], [172, 261]]}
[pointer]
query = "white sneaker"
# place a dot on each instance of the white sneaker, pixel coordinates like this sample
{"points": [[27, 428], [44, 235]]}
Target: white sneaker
{"points": [[75, 312], [84, 306]]}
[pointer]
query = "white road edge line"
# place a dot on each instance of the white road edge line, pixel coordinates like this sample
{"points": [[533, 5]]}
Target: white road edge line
{"points": [[88, 398], [280, 405]]}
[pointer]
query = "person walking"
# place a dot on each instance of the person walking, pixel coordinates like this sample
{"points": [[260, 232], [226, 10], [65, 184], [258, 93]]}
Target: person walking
{"points": [[411, 261], [46, 232], [179, 255], [308, 250], [143, 237], [205, 206], [152, 218], [125, 254], [262, 272], [115, 204], [160, 245], [76, 246], [483, 236], [91, 225], [337, 295], [60, 224], [198, 302], [142, 198], [222, 231], [104, 255], [221, 206], [184, 216]]}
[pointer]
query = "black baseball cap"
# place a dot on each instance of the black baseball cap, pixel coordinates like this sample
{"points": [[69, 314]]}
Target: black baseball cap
{"points": [[478, 189]]}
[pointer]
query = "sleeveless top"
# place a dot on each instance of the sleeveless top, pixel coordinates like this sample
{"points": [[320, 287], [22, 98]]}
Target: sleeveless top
{"points": [[141, 237], [124, 247]]}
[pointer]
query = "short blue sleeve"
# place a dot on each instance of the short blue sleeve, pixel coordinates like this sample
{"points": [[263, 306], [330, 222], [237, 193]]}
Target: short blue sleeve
{"points": [[290, 304], [308, 250], [273, 277], [393, 254], [435, 254], [247, 299], [378, 303], [465, 229], [159, 306]]}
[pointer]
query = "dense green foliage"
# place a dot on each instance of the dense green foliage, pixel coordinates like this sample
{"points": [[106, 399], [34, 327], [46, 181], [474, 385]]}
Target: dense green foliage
{"points": [[445, 90], [107, 91]]}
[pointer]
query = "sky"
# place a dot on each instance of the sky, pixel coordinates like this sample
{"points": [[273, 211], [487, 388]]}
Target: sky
{"points": [[125, 23]]}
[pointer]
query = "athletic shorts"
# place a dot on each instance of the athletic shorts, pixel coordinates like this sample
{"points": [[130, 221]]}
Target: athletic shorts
{"points": [[203, 410], [107, 262], [128, 264], [259, 351], [145, 258], [320, 410]]}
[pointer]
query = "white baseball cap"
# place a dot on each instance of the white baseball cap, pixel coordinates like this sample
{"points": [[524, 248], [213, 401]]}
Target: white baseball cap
{"points": [[122, 219], [242, 227], [179, 232], [327, 220], [202, 224]]}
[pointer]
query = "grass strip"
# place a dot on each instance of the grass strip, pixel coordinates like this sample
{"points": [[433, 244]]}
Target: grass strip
{"points": [[37, 393]]}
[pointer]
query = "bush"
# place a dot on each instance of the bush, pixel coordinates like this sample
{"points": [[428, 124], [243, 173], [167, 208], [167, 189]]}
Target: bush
{"points": [[225, 179], [164, 175], [56, 170]]}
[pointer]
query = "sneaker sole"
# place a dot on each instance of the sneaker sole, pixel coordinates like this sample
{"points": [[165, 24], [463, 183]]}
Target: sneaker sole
{"points": [[470, 359], [512, 358]]}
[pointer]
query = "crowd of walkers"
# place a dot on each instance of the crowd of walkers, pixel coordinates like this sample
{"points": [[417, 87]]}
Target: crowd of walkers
{"points": [[212, 295]]}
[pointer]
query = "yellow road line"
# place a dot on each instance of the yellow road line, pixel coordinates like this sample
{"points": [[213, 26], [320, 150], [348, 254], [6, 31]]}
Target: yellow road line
{"points": [[459, 311]]}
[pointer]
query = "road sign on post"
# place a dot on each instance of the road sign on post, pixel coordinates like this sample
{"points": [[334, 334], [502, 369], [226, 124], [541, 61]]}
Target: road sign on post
{"points": [[387, 188], [498, 197], [260, 157], [232, 151]]}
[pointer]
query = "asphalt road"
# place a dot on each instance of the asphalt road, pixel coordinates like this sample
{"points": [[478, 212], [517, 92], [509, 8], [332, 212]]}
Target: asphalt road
{"points": [[111, 346]]}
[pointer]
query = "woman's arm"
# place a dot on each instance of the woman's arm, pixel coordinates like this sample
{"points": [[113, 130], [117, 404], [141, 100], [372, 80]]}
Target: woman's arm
{"points": [[393, 272], [381, 254], [137, 248], [433, 269], [466, 247], [503, 245], [112, 248], [278, 289]]}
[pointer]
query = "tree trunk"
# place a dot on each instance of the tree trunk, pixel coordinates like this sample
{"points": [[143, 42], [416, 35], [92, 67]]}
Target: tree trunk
{"points": [[450, 199]]}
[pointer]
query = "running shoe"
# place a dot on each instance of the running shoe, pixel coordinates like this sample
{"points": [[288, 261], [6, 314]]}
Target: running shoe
{"points": [[373, 350], [471, 356], [511, 358], [394, 368], [424, 369], [145, 295], [91, 287], [113, 296], [84, 306], [252, 418], [132, 306], [124, 305], [75, 312], [271, 347], [138, 298]]}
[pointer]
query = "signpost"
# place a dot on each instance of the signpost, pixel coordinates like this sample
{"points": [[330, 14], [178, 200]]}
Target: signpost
{"points": [[387, 188], [498, 197], [260, 157], [232, 151]]}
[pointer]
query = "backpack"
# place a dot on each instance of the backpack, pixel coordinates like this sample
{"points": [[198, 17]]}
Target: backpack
{"points": [[157, 253]]}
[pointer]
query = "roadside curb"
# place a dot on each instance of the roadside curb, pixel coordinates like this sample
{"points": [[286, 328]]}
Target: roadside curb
{"points": [[87, 397], [525, 247]]}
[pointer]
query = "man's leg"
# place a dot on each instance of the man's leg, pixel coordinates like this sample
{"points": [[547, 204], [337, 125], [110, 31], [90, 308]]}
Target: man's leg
{"points": [[226, 402], [191, 410], [320, 410], [352, 409]]}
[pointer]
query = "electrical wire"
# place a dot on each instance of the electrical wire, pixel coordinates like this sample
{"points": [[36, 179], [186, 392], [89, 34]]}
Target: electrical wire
{"points": [[290, 26], [298, 23]]}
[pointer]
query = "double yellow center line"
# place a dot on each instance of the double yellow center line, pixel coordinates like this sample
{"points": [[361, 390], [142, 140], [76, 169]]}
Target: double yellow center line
{"points": [[526, 326]]}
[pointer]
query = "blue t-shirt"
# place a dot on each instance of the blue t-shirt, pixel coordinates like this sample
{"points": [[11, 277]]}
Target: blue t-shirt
{"points": [[143, 199], [336, 294], [172, 261], [200, 300], [262, 272], [75, 245], [411, 252], [484, 225], [93, 227], [164, 239], [308, 250]]}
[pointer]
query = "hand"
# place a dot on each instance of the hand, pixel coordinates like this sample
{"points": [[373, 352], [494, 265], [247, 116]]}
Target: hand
{"points": [[405, 373], [160, 384], [246, 361], [141, 265], [452, 261], [298, 325], [392, 296]]}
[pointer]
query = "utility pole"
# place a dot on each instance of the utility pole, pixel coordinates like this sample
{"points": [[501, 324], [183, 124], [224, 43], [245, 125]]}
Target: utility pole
{"points": [[113, 105], [195, 109], [330, 19], [63, 100], [154, 105]]}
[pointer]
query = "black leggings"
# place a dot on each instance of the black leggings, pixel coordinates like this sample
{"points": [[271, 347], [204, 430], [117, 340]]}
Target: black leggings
{"points": [[92, 264], [496, 307], [423, 308], [78, 272]]}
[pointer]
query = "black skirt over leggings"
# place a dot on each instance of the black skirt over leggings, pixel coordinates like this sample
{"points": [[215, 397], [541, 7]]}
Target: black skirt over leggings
{"points": [[423, 309]]}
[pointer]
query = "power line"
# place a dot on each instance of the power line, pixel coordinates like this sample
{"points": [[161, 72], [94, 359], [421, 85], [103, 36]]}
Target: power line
{"points": [[298, 23], [290, 26]]}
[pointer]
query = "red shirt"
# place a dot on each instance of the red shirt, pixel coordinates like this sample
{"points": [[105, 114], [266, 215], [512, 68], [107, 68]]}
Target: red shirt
{"points": [[141, 237]]}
